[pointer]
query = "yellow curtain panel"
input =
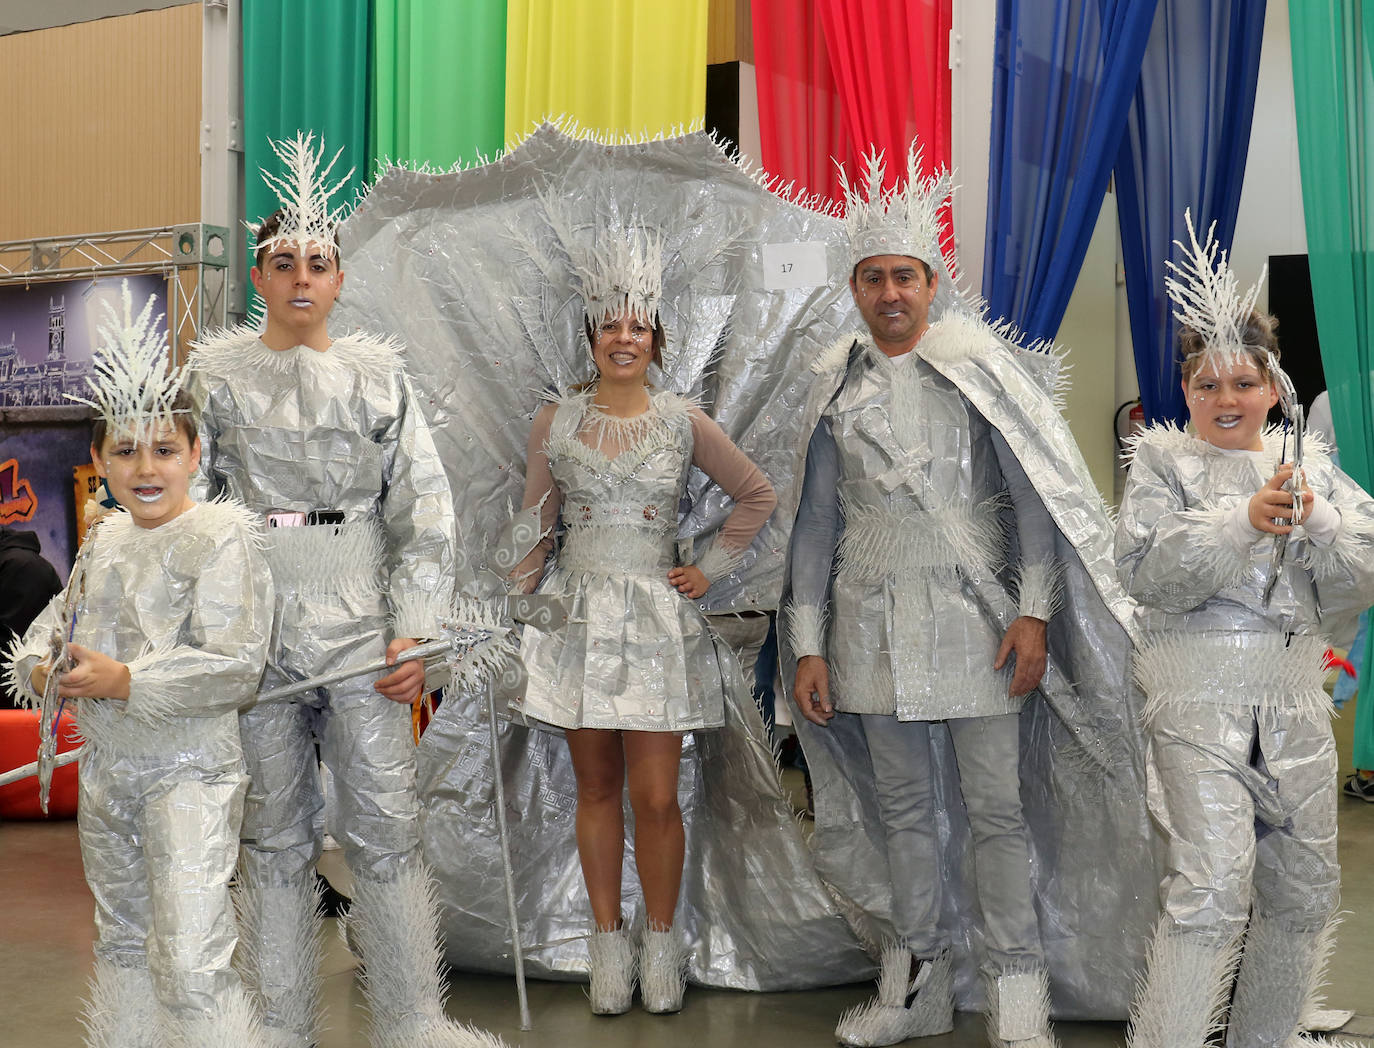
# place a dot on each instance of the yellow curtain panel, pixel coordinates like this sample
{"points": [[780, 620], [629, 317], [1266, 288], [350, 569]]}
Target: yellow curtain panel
{"points": [[634, 67]]}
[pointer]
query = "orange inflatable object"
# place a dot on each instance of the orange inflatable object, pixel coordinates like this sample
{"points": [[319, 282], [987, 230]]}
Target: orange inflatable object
{"points": [[19, 746]]}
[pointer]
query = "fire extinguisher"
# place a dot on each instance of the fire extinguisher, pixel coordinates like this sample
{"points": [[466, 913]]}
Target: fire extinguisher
{"points": [[1135, 422]]}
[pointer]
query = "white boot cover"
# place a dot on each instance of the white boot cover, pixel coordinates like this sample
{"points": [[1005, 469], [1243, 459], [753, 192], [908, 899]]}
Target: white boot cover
{"points": [[121, 1010], [1186, 984], [234, 1023], [662, 970], [904, 1008], [1316, 1016], [278, 958], [1276, 976], [397, 928], [613, 971], [1019, 1008]]}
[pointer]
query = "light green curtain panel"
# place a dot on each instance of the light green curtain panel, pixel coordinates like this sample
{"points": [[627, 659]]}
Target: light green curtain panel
{"points": [[439, 80], [305, 68], [1333, 86]]}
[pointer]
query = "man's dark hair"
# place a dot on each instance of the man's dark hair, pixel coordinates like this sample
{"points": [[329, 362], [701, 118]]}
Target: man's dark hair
{"points": [[182, 412]]}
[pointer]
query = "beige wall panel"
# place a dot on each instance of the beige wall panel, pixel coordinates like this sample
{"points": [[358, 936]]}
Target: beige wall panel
{"points": [[100, 125]]}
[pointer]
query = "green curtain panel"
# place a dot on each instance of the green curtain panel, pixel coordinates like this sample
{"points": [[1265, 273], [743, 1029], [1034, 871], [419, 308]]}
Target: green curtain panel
{"points": [[305, 68], [1333, 86], [439, 80]]}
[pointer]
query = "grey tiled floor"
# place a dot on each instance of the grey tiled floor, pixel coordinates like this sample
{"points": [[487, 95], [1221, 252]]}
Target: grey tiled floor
{"points": [[45, 944]]}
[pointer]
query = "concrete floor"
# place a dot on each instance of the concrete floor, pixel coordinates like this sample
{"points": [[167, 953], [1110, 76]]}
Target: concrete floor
{"points": [[45, 960]]}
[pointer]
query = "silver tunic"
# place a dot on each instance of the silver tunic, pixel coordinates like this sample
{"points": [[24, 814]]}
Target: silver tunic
{"points": [[635, 654], [188, 607]]}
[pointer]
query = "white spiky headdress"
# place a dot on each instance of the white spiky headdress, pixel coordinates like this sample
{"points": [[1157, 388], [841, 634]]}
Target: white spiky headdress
{"points": [[615, 263], [903, 220], [1208, 300], [304, 192], [134, 388]]}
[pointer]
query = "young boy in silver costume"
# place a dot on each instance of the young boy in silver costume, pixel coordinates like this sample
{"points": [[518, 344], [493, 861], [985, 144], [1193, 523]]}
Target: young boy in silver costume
{"points": [[1241, 762], [174, 615], [323, 438]]}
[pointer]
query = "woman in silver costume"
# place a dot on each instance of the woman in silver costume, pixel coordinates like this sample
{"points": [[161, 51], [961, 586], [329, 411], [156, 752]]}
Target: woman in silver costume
{"points": [[635, 667], [1240, 755]]}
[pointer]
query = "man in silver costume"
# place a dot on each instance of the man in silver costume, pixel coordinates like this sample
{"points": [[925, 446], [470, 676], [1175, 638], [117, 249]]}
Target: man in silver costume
{"points": [[1241, 760], [323, 437], [901, 520], [169, 611]]}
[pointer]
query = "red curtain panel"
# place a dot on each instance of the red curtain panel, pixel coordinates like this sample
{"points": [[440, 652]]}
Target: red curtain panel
{"points": [[838, 76]]}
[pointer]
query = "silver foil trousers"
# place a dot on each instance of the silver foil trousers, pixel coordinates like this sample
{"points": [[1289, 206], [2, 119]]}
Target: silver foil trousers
{"points": [[988, 754]]}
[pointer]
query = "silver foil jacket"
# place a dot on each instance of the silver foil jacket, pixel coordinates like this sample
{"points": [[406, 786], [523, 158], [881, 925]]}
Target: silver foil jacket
{"points": [[188, 607], [441, 260]]}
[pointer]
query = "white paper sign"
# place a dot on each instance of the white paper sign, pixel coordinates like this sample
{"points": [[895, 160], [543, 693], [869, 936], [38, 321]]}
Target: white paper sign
{"points": [[794, 265]]}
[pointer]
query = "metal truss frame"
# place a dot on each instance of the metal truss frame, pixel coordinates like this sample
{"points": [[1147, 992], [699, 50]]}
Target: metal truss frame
{"points": [[193, 257]]}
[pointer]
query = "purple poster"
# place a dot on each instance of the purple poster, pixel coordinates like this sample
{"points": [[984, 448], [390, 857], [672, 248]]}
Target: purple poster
{"points": [[46, 332]]}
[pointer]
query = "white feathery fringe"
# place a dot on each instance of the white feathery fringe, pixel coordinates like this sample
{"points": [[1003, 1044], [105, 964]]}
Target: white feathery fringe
{"points": [[148, 702], [1322, 952], [492, 639], [1040, 588], [895, 975], [1019, 1007], [134, 386], [17, 689], [878, 541], [1278, 968], [612, 977], [1207, 295], [296, 943], [806, 625], [1271, 670], [903, 220], [121, 1010], [327, 560], [884, 1020], [836, 355], [304, 192], [233, 1023], [662, 969], [418, 614], [1181, 993], [719, 561], [1347, 552], [397, 927], [239, 349]]}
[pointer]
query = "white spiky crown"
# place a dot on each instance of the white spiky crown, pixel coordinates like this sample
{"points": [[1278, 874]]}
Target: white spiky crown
{"points": [[134, 388], [1207, 298], [903, 220], [304, 192], [621, 271]]}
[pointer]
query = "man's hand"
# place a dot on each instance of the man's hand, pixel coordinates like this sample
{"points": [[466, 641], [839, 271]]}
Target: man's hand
{"points": [[1025, 638], [404, 683], [93, 676], [689, 581], [811, 691], [1272, 501]]}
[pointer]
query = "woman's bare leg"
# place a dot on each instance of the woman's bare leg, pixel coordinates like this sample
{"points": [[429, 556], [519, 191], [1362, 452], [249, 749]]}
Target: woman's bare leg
{"points": [[599, 764], [651, 759]]}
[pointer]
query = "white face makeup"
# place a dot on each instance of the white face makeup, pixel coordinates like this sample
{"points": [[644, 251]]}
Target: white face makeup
{"points": [[151, 480], [894, 296], [1229, 404]]}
